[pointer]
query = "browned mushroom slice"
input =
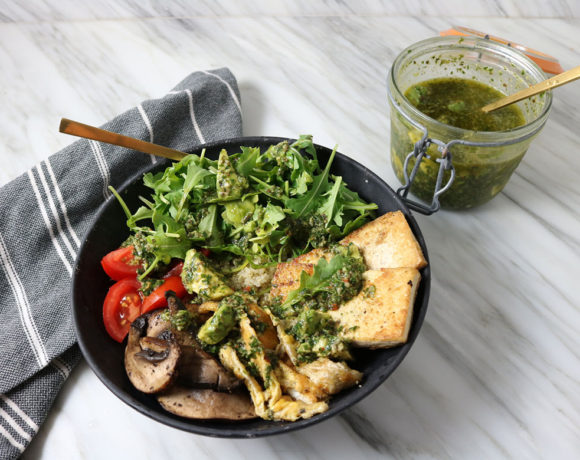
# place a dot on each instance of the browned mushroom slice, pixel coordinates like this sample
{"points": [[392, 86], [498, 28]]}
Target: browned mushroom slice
{"points": [[153, 368], [206, 404], [199, 369], [196, 368], [157, 324], [153, 349]]}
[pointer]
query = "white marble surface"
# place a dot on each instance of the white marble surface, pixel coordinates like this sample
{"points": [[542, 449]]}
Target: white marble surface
{"points": [[495, 372]]}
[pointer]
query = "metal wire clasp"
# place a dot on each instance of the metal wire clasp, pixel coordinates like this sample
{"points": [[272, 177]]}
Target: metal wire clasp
{"points": [[445, 164]]}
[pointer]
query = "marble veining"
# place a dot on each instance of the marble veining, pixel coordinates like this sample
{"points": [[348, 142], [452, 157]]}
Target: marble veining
{"points": [[66, 10], [495, 372]]}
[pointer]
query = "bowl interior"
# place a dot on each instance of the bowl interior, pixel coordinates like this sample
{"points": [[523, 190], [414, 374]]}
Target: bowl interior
{"points": [[105, 356]]}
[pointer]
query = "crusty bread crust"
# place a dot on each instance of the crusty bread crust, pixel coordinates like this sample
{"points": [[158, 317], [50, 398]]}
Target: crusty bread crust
{"points": [[380, 316], [388, 242]]}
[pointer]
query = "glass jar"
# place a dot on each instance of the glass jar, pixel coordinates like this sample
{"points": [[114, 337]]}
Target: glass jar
{"points": [[481, 172]]}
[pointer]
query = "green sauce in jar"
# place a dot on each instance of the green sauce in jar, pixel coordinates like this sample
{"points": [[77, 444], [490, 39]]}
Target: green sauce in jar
{"points": [[458, 102], [439, 85]]}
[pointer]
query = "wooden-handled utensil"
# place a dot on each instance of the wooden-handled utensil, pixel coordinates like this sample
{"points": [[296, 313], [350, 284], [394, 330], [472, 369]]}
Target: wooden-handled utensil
{"points": [[74, 128], [550, 83]]}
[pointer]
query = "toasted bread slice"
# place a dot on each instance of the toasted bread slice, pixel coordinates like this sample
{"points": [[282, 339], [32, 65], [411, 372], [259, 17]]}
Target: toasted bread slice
{"points": [[380, 315], [287, 278], [387, 242]]}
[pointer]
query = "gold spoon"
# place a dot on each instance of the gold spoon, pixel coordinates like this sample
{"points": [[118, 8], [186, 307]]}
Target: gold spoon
{"points": [[550, 83], [74, 128]]}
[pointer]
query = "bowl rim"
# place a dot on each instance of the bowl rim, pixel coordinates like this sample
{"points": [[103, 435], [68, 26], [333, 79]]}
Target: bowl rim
{"points": [[276, 428]]}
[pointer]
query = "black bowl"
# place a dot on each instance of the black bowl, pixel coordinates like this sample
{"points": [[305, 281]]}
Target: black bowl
{"points": [[105, 356]]}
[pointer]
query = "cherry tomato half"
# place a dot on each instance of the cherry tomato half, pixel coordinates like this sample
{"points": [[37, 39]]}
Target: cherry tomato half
{"points": [[121, 307], [118, 263], [157, 298]]}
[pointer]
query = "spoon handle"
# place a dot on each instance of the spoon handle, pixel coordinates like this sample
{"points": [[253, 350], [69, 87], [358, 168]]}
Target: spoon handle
{"points": [[74, 128], [550, 83]]}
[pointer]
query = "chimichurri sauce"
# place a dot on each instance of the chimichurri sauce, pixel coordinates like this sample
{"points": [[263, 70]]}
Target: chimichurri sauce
{"points": [[457, 102]]}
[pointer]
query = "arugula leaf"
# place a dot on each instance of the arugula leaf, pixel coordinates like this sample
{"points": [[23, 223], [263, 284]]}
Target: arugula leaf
{"points": [[142, 213], [302, 182], [318, 281], [273, 214], [359, 206], [170, 246], [247, 161], [168, 180], [329, 208], [164, 222], [337, 232], [164, 247], [304, 142], [271, 190], [305, 204], [195, 175], [209, 228]]}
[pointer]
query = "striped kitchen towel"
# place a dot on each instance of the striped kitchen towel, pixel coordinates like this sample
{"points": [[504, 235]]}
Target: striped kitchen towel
{"points": [[44, 215]]}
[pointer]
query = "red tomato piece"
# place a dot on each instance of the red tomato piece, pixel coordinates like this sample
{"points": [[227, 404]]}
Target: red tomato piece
{"points": [[121, 307], [118, 263], [157, 298], [205, 251], [175, 271]]}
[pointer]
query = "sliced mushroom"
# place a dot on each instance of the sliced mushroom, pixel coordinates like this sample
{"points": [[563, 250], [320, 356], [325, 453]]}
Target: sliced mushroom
{"points": [[206, 404], [157, 325], [200, 369], [151, 365], [196, 368], [153, 349]]}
